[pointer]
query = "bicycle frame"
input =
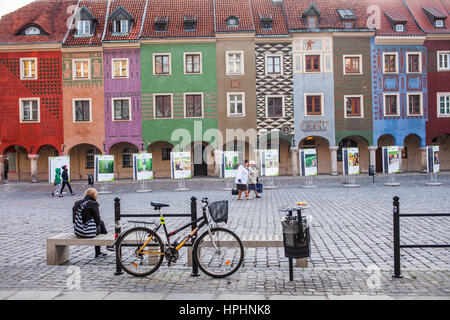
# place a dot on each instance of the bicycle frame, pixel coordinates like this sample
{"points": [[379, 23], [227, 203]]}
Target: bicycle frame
{"points": [[203, 219]]}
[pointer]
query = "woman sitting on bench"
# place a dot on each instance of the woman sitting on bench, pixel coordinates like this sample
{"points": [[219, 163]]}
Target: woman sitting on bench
{"points": [[86, 218]]}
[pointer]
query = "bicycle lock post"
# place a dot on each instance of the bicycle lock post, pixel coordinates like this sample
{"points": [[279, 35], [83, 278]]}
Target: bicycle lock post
{"points": [[117, 232], [396, 217], [194, 225]]}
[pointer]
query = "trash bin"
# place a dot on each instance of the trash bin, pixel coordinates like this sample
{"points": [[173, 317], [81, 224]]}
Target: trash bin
{"points": [[296, 237]]}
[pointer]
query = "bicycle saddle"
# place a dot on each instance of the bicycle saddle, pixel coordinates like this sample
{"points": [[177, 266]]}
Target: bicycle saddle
{"points": [[158, 205]]}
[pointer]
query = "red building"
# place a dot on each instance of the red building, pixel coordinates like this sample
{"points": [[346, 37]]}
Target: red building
{"points": [[31, 117], [432, 17]]}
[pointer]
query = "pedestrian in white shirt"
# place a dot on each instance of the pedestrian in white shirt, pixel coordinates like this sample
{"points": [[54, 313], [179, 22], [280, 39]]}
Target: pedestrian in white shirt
{"points": [[242, 180]]}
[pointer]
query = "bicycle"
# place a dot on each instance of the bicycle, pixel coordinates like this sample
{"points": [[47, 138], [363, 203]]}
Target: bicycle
{"points": [[218, 251]]}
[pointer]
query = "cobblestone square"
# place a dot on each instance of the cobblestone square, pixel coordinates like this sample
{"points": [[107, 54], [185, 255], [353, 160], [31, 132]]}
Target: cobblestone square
{"points": [[351, 233]]}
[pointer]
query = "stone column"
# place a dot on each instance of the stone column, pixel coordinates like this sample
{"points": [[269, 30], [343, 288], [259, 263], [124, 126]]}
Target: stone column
{"points": [[423, 153], [294, 155], [217, 162], [2, 169], [334, 167], [34, 172], [372, 156]]}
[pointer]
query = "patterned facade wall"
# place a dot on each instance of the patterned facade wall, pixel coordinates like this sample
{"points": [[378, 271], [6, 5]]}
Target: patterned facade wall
{"points": [[47, 87], [399, 127], [177, 84], [314, 83], [123, 131], [89, 132], [353, 85], [274, 85]]}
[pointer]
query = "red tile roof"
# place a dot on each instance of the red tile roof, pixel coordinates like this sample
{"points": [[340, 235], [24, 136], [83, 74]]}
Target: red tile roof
{"points": [[98, 9], [136, 9], [266, 9], [329, 18], [50, 15], [241, 9], [421, 18], [446, 4], [176, 10]]}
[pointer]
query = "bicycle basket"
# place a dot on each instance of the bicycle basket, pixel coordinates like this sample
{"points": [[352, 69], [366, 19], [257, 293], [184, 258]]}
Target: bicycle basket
{"points": [[219, 211]]}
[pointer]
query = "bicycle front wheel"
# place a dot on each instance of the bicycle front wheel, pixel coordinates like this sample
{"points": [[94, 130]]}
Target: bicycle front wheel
{"points": [[141, 251], [219, 252]]}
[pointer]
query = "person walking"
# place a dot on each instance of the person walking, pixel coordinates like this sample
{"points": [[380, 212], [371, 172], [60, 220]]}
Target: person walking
{"points": [[6, 167], [86, 218], [253, 178], [57, 181], [242, 180], [65, 181]]}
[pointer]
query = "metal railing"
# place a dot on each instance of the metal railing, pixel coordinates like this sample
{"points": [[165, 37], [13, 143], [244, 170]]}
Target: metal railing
{"points": [[118, 229], [398, 246]]}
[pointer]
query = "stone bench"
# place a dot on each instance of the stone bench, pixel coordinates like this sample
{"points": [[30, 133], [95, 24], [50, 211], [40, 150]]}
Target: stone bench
{"points": [[58, 251], [58, 246]]}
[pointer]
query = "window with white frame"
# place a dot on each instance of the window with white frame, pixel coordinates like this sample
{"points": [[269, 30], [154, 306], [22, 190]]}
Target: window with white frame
{"points": [[274, 64], [443, 100], [354, 106], [121, 109], [443, 60], [391, 104], [439, 23], [120, 68], [81, 69], [82, 110], [29, 110], [399, 27], [414, 62], [161, 64], [84, 28], [236, 104], [414, 104], [32, 31], [312, 63], [352, 64], [28, 68], [390, 62], [314, 104], [193, 105], [192, 63], [163, 106], [235, 62]]}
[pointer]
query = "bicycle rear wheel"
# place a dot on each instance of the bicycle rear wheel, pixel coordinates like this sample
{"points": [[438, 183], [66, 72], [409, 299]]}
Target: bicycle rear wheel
{"points": [[218, 253], [145, 262]]}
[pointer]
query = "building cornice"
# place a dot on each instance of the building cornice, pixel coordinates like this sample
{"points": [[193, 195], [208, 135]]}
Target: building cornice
{"points": [[30, 47], [438, 36], [119, 45], [82, 49], [388, 40], [177, 40]]}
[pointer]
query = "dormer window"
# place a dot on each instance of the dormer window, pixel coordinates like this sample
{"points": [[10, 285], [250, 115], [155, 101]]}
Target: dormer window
{"points": [[348, 17], [190, 22], [397, 21], [266, 21], [161, 23], [399, 28], [121, 26], [435, 16], [311, 14], [32, 31], [121, 21], [85, 22], [232, 22]]}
